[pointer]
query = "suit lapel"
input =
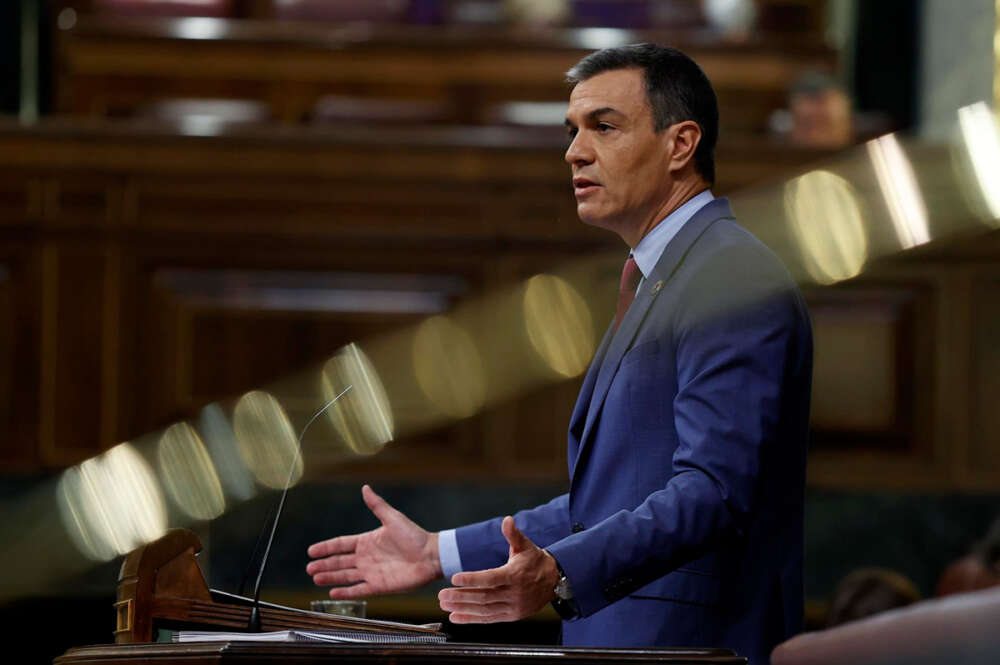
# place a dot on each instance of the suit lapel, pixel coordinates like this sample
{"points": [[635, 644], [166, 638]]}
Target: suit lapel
{"points": [[650, 288], [583, 399]]}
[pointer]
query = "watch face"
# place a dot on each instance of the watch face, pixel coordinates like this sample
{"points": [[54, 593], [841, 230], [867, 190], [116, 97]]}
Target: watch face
{"points": [[563, 590]]}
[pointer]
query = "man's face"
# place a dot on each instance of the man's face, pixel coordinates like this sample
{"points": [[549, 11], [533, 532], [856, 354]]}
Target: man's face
{"points": [[620, 164], [821, 120]]}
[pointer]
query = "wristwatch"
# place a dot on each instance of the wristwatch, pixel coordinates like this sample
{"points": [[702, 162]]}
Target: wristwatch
{"points": [[563, 603]]}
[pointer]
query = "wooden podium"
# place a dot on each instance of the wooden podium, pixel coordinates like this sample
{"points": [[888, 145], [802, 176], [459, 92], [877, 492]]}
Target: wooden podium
{"points": [[300, 653], [161, 585]]}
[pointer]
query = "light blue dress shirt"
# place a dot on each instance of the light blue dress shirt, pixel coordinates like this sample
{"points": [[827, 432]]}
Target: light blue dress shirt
{"points": [[651, 247], [646, 254]]}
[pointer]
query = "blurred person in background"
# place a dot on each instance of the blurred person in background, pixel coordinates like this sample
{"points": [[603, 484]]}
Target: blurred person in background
{"points": [[979, 569], [869, 591], [818, 115]]}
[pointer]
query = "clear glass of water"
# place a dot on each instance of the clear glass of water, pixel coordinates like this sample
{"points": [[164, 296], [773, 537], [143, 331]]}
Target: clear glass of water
{"points": [[347, 608]]}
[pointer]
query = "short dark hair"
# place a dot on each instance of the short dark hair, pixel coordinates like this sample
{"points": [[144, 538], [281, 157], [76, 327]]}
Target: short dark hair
{"points": [[811, 83], [676, 87]]}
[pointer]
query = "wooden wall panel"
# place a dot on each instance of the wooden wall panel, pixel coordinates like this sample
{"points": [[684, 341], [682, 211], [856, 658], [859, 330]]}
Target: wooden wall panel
{"points": [[6, 342], [884, 413], [79, 353], [865, 366], [214, 334], [20, 198], [9, 446], [527, 438], [148, 274], [856, 384], [232, 350], [81, 201], [19, 357], [234, 330], [389, 208], [21, 208], [296, 207], [984, 402]]}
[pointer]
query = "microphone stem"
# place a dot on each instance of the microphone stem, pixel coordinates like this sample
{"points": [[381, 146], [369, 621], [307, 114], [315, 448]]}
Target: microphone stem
{"points": [[253, 625]]}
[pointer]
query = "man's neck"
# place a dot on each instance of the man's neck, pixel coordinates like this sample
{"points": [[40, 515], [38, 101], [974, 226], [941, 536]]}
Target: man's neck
{"points": [[679, 195]]}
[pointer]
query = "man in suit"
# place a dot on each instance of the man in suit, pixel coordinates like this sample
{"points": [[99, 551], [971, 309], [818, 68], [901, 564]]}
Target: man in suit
{"points": [[683, 522]]}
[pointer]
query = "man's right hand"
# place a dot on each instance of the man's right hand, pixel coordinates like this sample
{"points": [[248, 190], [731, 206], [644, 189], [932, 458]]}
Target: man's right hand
{"points": [[397, 556]]}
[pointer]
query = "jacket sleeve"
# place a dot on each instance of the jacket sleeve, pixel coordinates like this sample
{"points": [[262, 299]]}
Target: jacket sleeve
{"points": [[734, 333], [482, 545]]}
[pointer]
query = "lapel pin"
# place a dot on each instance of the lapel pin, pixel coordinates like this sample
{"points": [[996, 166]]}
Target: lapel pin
{"points": [[656, 288]]}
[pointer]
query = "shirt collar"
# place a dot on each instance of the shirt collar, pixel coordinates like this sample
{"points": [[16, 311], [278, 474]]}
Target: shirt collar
{"points": [[647, 253]]}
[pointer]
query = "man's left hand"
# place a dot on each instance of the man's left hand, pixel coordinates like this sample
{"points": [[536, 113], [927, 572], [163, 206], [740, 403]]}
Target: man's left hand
{"points": [[515, 590]]}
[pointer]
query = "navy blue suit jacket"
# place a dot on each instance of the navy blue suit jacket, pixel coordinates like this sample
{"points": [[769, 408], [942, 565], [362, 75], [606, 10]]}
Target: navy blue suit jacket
{"points": [[683, 522]]}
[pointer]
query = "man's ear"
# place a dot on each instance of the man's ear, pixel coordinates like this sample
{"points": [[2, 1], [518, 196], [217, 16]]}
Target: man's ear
{"points": [[686, 136]]}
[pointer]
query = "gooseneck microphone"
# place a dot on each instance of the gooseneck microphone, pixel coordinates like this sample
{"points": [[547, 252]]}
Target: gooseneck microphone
{"points": [[252, 560], [253, 625]]}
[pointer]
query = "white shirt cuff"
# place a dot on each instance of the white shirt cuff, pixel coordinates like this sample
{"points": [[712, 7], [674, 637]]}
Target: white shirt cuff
{"points": [[451, 561]]}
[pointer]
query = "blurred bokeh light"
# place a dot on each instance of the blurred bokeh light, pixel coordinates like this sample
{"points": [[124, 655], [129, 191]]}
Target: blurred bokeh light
{"points": [[978, 127], [112, 503], [362, 417], [559, 324], [449, 367], [188, 473], [824, 213], [266, 440], [895, 176], [220, 441]]}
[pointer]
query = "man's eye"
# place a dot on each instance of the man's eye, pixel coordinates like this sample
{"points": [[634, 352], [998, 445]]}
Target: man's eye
{"points": [[604, 127], [571, 132]]}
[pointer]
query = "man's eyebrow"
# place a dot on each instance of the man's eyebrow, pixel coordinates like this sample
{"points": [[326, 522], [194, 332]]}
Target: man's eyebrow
{"points": [[596, 113]]}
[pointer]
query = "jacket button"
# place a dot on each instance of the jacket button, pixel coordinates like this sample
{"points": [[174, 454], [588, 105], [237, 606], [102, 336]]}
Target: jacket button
{"points": [[578, 527]]}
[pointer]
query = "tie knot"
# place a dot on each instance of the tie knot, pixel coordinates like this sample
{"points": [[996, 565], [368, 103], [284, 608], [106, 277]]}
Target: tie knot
{"points": [[630, 276], [626, 291]]}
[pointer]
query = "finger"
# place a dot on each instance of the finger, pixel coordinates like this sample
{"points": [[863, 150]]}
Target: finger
{"points": [[518, 541], [476, 609], [493, 577], [471, 618], [472, 595], [347, 592], [336, 562], [338, 545], [349, 576], [379, 506]]}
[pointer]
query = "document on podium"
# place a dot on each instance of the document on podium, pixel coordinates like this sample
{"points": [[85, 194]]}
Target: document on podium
{"points": [[342, 636]]}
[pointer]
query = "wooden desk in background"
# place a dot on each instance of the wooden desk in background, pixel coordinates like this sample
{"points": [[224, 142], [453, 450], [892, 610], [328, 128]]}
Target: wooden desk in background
{"points": [[113, 65]]}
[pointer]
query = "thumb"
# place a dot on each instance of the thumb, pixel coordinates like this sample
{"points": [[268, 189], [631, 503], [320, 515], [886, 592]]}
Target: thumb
{"points": [[518, 541], [379, 506]]}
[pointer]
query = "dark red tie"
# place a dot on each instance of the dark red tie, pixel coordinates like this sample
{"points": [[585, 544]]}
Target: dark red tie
{"points": [[626, 290]]}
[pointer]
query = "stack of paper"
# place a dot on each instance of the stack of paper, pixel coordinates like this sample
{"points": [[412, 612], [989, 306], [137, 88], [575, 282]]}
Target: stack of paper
{"points": [[337, 636]]}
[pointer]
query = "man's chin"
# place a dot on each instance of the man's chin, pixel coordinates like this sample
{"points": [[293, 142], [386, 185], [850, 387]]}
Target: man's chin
{"points": [[591, 217], [605, 222]]}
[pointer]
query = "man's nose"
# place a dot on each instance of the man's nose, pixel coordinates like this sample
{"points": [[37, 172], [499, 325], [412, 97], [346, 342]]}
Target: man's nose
{"points": [[579, 151]]}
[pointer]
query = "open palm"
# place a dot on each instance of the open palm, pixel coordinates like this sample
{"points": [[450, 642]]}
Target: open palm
{"points": [[397, 556]]}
